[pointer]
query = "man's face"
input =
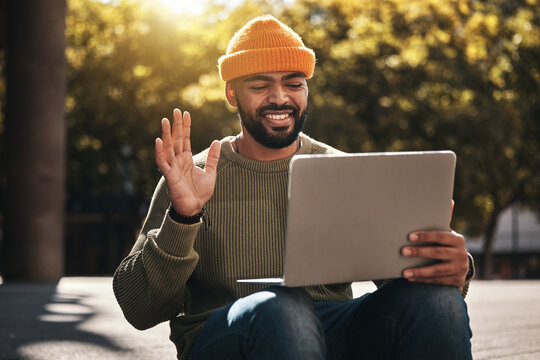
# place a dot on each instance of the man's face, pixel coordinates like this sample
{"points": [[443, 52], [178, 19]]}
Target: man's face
{"points": [[272, 106]]}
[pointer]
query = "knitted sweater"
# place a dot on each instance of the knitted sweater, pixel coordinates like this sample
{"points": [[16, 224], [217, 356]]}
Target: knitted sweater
{"points": [[181, 273]]}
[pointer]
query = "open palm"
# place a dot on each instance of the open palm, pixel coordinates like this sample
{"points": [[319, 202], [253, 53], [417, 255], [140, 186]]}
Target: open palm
{"points": [[189, 186]]}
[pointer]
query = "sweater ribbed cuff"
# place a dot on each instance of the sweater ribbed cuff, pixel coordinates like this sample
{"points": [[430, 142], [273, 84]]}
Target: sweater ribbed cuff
{"points": [[472, 271], [176, 239]]}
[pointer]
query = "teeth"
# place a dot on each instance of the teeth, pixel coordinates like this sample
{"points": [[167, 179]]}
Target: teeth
{"points": [[277, 116]]}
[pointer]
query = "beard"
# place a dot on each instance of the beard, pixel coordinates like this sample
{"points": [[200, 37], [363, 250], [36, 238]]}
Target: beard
{"points": [[279, 137]]}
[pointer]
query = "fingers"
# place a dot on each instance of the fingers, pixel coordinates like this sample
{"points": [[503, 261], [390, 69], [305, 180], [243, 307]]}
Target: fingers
{"points": [[160, 158], [433, 252], [179, 140], [451, 280], [213, 157], [452, 253], [168, 151], [442, 269], [181, 131], [177, 132], [428, 272], [448, 238], [186, 131]]}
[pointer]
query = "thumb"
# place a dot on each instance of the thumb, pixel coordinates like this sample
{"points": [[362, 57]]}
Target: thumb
{"points": [[213, 157]]}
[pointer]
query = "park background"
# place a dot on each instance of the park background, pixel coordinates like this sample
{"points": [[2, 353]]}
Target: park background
{"points": [[85, 83]]}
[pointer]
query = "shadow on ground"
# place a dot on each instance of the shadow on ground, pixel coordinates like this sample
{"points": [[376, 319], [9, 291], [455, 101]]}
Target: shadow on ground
{"points": [[78, 318], [35, 315]]}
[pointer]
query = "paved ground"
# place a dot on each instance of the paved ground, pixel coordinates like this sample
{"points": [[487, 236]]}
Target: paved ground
{"points": [[78, 319]]}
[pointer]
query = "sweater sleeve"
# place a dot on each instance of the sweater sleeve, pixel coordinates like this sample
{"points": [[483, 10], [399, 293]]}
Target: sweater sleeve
{"points": [[149, 284]]}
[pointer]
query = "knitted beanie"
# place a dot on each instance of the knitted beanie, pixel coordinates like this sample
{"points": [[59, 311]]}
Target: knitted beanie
{"points": [[265, 44]]}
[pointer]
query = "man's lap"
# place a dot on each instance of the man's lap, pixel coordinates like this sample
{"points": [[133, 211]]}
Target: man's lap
{"points": [[377, 325]]}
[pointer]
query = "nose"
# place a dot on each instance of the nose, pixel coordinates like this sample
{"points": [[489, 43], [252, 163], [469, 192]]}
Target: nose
{"points": [[278, 95]]}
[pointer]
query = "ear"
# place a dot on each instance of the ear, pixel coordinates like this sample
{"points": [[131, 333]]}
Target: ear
{"points": [[230, 94]]}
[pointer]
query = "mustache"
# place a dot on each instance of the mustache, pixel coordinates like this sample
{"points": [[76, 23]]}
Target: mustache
{"points": [[261, 110]]}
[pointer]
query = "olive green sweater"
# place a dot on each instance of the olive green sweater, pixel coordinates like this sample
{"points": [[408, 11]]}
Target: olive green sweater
{"points": [[181, 273]]}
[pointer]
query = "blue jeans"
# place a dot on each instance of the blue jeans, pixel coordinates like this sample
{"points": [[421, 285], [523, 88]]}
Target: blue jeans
{"points": [[402, 320]]}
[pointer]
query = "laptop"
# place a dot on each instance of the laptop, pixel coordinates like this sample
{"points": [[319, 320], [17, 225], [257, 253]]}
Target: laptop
{"points": [[349, 215]]}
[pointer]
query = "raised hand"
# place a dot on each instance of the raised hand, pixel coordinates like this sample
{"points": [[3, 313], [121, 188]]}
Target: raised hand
{"points": [[190, 187]]}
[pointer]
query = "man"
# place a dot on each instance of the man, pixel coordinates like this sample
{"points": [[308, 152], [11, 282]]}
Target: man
{"points": [[219, 216]]}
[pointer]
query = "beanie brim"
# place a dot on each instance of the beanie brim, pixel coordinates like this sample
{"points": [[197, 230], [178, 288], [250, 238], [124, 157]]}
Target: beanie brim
{"points": [[255, 61]]}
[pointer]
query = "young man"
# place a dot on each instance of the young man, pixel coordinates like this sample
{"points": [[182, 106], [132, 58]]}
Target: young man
{"points": [[220, 216]]}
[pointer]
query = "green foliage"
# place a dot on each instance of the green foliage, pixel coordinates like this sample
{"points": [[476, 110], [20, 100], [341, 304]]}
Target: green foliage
{"points": [[421, 74], [128, 68], [391, 75]]}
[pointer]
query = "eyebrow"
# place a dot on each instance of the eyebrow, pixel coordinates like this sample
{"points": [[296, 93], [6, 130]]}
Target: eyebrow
{"points": [[293, 75], [258, 77], [271, 79]]}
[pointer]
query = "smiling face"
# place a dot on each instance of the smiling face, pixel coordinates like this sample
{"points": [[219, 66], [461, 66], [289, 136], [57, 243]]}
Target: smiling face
{"points": [[271, 106]]}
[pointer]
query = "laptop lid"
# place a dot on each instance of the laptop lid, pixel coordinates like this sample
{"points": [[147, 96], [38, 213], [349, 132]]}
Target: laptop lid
{"points": [[349, 215]]}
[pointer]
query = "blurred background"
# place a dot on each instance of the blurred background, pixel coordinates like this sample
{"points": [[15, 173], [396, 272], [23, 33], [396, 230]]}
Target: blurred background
{"points": [[85, 83]]}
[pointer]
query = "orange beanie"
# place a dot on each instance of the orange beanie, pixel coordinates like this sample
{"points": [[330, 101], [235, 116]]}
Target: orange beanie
{"points": [[265, 45]]}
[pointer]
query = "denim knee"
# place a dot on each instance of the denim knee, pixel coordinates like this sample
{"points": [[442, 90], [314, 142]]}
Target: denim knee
{"points": [[432, 315], [278, 323], [436, 303], [271, 305]]}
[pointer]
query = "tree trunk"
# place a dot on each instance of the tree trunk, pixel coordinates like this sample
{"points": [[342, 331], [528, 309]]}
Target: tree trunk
{"points": [[487, 269], [34, 141]]}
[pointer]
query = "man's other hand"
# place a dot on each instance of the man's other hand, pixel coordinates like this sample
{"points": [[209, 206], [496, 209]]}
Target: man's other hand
{"points": [[449, 249]]}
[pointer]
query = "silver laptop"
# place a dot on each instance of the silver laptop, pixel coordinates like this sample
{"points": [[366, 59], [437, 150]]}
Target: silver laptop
{"points": [[350, 215]]}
